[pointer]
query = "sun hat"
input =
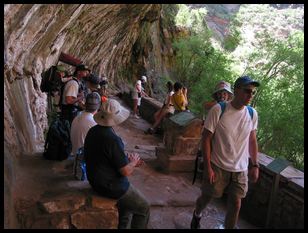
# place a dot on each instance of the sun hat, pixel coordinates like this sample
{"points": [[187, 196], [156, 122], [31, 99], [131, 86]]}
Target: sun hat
{"points": [[244, 81], [81, 67], [111, 113], [222, 85], [93, 101]]}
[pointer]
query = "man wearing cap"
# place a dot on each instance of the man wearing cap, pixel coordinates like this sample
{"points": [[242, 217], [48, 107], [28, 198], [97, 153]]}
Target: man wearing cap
{"points": [[222, 93], [228, 143], [108, 166], [72, 97], [84, 121], [92, 83]]}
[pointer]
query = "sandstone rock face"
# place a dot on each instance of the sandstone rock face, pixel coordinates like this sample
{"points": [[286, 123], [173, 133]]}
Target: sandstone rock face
{"points": [[122, 41]]}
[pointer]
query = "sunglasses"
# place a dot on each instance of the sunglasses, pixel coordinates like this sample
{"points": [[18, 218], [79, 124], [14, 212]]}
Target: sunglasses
{"points": [[249, 91]]}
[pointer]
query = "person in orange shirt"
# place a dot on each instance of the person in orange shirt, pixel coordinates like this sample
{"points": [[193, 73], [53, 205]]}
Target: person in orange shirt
{"points": [[179, 98]]}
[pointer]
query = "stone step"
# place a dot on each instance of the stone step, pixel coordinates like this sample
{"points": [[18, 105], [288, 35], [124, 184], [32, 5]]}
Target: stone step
{"points": [[174, 163]]}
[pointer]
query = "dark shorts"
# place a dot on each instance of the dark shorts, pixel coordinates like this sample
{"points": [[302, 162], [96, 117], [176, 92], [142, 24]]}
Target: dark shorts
{"points": [[235, 183]]}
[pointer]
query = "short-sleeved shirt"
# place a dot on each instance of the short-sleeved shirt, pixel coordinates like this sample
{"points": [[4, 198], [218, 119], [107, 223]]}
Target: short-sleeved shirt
{"points": [[230, 143], [178, 101], [104, 156], [71, 88], [79, 129]]}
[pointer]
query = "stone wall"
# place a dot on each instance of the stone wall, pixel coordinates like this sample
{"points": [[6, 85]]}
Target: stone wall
{"points": [[288, 205]]}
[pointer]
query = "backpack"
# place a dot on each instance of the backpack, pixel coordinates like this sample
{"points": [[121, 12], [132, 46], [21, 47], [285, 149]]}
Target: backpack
{"points": [[50, 81], [79, 168], [199, 158], [58, 144]]}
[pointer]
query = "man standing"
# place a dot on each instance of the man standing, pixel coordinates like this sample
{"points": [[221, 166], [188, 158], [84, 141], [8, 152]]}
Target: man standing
{"points": [[227, 144], [72, 96], [108, 166]]}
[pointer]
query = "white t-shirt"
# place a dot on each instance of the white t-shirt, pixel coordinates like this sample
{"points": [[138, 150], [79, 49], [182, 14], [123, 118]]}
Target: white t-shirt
{"points": [[80, 127], [230, 143], [70, 89]]}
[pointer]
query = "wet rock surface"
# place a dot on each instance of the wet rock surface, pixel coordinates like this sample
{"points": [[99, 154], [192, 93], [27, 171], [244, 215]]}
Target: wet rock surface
{"points": [[172, 196]]}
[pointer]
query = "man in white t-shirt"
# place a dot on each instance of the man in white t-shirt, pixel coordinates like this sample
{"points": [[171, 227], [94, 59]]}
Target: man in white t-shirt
{"points": [[72, 97], [84, 121], [228, 141]]}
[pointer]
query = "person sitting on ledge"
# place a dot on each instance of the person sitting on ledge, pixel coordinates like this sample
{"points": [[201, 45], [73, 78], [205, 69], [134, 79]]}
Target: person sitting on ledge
{"points": [[166, 109]]}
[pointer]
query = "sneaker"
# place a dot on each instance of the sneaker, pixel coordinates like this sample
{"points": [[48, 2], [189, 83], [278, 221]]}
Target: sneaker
{"points": [[195, 222], [136, 116]]}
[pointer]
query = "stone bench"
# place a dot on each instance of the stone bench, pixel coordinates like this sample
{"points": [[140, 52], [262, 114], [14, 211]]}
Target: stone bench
{"points": [[73, 208]]}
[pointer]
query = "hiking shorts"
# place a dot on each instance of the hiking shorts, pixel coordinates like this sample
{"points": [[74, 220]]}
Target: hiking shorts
{"points": [[234, 183]]}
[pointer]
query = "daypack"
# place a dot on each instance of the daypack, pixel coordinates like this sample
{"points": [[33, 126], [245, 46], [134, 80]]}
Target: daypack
{"points": [[50, 81], [199, 157], [58, 144], [79, 168]]}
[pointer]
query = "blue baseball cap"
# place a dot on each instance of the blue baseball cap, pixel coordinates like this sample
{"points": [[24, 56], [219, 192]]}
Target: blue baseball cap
{"points": [[244, 81]]}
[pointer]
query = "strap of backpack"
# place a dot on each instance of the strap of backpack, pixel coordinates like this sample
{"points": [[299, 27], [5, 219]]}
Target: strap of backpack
{"points": [[196, 165], [223, 107], [250, 110]]}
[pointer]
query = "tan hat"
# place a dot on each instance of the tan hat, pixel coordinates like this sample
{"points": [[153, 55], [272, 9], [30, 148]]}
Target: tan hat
{"points": [[222, 85], [111, 113]]}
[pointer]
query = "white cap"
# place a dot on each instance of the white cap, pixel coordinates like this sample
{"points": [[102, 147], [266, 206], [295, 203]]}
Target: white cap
{"points": [[144, 78]]}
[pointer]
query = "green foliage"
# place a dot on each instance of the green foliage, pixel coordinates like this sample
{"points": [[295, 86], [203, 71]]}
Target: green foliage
{"points": [[280, 100], [199, 66], [191, 18], [233, 39], [169, 13]]}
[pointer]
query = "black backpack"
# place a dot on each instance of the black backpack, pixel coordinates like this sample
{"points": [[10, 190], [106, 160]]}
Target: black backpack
{"points": [[50, 81], [58, 144]]}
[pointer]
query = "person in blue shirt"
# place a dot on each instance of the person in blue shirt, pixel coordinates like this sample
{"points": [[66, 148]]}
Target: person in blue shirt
{"points": [[108, 166]]}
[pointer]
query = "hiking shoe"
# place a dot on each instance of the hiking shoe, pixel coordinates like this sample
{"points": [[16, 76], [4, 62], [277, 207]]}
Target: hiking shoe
{"points": [[195, 222]]}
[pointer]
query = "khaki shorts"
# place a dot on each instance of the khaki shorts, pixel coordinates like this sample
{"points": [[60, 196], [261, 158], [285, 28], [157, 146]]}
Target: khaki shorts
{"points": [[235, 183]]}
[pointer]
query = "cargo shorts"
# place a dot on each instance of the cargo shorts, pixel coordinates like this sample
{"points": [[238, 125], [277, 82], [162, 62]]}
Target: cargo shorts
{"points": [[234, 183]]}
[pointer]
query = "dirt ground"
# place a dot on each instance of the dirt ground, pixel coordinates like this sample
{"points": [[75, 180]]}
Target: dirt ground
{"points": [[172, 196]]}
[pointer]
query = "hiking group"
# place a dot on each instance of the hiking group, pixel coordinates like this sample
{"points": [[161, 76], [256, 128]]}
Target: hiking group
{"points": [[87, 116]]}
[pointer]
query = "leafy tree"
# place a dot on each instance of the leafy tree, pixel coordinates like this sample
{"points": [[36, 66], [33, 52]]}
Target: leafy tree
{"points": [[280, 99], [199, 66]]}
